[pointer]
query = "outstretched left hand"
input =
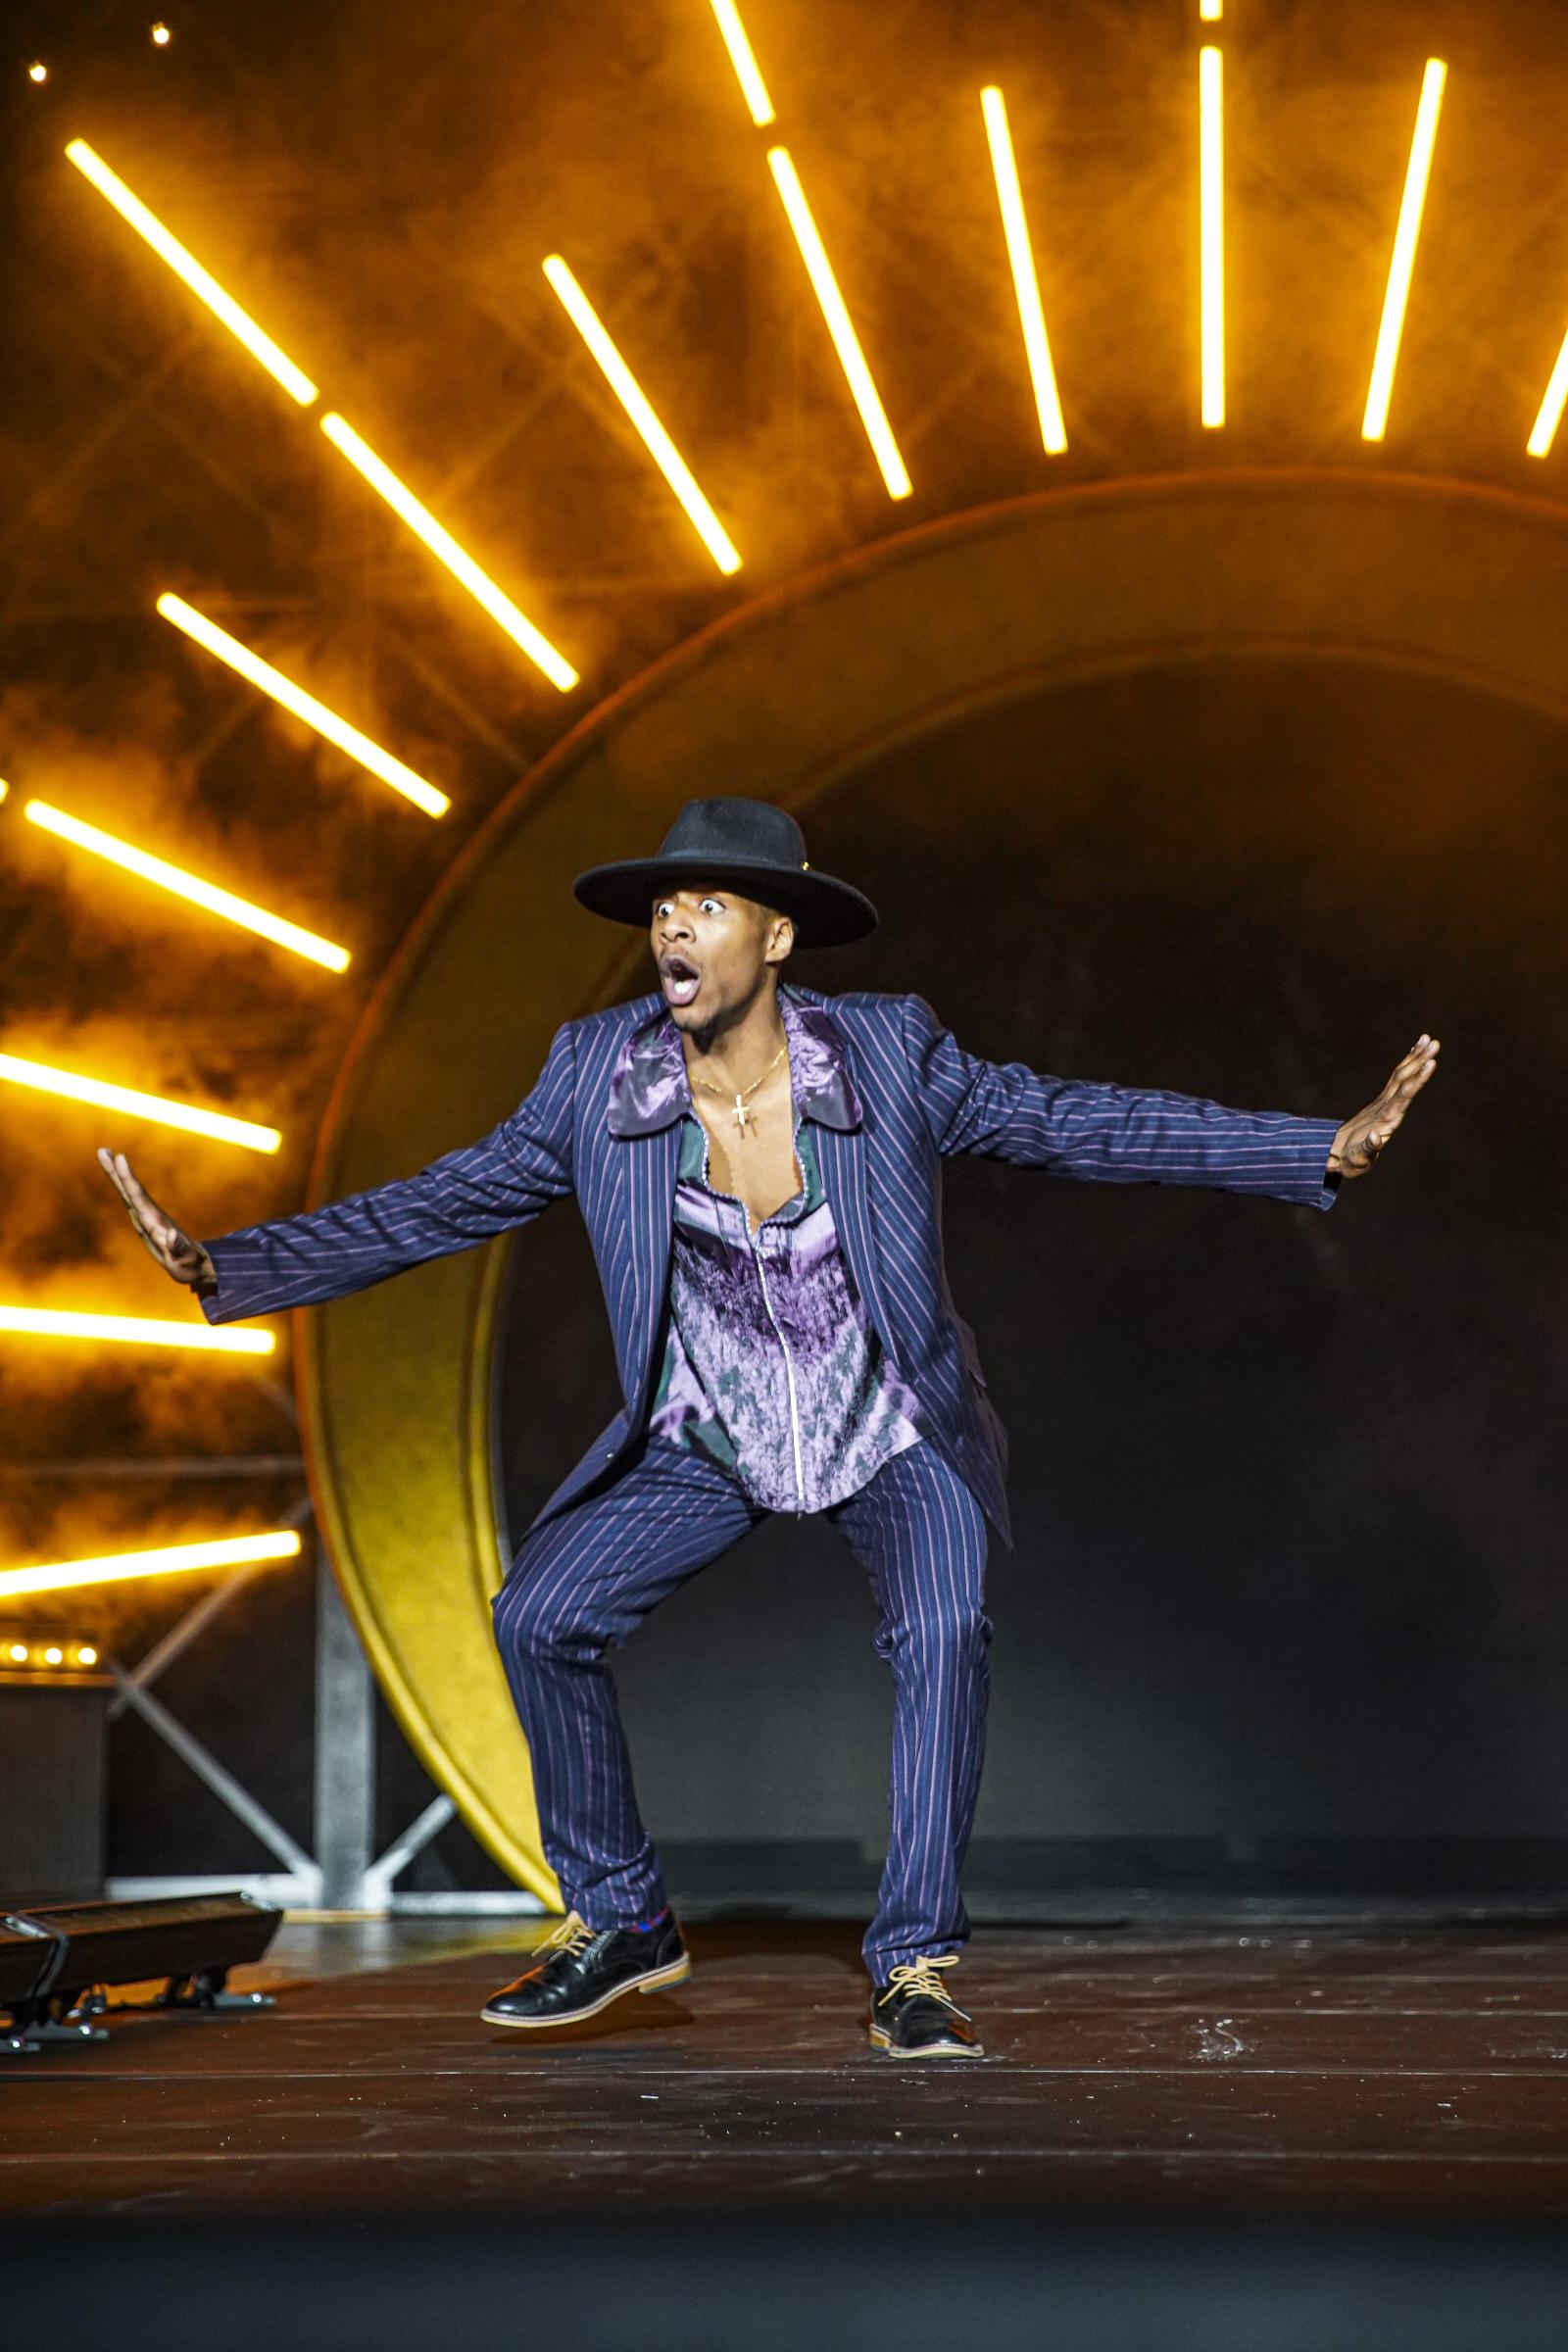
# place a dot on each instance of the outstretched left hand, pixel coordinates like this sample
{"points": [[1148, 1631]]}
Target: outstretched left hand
{"points": [[1356, 1147]]}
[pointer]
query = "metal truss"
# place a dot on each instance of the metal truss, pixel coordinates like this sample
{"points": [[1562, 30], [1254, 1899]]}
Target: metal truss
{"points": [[344, 1873]]}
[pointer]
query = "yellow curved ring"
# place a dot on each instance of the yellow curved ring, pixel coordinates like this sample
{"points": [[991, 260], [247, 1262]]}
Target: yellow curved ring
{"points": [[789, 695]]}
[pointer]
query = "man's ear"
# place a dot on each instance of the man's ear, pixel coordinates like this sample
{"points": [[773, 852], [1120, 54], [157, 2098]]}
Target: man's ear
{"points": [[780, 938]]}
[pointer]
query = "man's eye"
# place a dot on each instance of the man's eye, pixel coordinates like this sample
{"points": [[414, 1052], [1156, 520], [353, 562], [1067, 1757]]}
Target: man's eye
{"points": [[716, 905]]}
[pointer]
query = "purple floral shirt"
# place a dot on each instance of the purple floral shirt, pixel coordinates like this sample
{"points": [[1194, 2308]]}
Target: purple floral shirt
{"points": [[770, 1367]]}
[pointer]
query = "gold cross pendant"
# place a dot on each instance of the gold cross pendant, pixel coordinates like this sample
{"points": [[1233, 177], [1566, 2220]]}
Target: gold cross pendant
{"points": [[743, 1117]]}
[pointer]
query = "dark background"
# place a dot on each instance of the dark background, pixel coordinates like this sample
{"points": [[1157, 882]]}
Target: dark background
{"points": [[1286, 1605], [1287, 1487]]}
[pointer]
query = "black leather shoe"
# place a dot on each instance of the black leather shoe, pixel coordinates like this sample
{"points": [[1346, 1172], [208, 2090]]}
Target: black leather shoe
{"points": [[578, 1970], [914, 2016]]}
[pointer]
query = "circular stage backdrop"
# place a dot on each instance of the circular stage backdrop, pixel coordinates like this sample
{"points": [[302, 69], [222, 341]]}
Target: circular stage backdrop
{"points": [[793, 699]]}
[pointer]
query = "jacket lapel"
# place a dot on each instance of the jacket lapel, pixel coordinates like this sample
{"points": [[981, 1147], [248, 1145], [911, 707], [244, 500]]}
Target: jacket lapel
{"points": [[650, 1162], [647, 1098], [820, 1055], [842, 1159]]}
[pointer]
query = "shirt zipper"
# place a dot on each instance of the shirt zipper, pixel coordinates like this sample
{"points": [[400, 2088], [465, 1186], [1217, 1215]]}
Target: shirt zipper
{"points": [[778, 1333], [788, 1373]]}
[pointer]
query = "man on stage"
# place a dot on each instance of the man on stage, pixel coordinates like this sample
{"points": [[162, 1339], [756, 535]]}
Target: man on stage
{"points": [[758, 1166]]}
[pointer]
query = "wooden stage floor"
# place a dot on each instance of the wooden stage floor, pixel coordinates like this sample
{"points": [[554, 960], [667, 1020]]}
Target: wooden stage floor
{"points": [[1325, 2067]]}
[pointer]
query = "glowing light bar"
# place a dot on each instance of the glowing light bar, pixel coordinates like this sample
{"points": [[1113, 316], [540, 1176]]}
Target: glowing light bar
{"points": [[666, 456], [1544, 431], [1211, 161], [174, 1559], [136, 1331], [52, 1653], [747, 71], [1375, 422], [844, 341], [47, 1080], [1211, 11], [442, 544], [303, 705], [184, 264], [1026, 285], [187, 885]]}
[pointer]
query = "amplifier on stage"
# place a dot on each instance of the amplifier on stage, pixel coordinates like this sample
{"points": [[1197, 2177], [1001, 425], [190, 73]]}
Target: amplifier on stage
{"points": [[54, 1728]]}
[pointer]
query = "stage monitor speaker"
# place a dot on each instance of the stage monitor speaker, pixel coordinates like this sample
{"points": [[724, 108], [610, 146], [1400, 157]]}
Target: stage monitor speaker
{"points": [[189, 1941]]}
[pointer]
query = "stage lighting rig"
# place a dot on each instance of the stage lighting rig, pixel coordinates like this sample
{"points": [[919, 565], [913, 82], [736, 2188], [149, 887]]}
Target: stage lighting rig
{"points": [[56, 1960], [37, 1653]]}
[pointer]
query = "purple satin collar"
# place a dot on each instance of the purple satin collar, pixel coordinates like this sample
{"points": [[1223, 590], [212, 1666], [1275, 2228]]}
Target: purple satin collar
{"points": [[649, 1087]]}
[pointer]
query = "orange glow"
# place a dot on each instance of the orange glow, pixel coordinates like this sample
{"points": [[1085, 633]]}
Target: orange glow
{"points": [[632, 398], [175, 879], [1025, 282], [240, 324], [1544, 431], [825, 286], [77, 1088], [1401, 268], [138, 1331], [747, 70], [462, 566], [207, 634], [177, 1559]]}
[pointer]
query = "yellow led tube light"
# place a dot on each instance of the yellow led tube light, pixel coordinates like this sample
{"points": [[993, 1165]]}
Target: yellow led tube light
{"points": [[443, 546], [1025, 282], [1544, 429], [1211, 162], [215, 1123], [844, 341], [187, 885], [741, 56], [303, 705], [173, 1560], [1375, 422], [1211, 11], [136, 1331], [666, 456], [207, 289]]}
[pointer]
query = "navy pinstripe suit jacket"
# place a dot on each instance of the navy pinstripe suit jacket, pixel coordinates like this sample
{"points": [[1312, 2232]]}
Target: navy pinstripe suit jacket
{"points": [[914, 1097]]}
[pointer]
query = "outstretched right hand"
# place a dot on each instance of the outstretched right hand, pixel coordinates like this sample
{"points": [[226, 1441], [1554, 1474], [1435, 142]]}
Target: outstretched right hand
{"points": [[179, 1256]]}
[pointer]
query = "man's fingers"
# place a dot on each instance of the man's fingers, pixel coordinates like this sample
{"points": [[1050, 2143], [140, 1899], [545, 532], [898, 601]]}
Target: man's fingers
{"points": [[136, 1196], [106, 1160], [152, 1228], [1411, 1074]]}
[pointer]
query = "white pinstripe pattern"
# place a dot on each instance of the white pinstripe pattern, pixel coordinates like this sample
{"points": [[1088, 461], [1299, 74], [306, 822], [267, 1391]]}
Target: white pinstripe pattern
{"points": [[921, 1096], [583, 1582], [631, 1522]]}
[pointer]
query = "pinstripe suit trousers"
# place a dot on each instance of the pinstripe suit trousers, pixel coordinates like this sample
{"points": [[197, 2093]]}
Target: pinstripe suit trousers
{"points": [[582, 1582]]}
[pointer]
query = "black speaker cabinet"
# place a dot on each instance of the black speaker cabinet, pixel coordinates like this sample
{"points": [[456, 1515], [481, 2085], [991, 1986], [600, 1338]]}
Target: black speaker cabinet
{"points": [[54, 1728]]}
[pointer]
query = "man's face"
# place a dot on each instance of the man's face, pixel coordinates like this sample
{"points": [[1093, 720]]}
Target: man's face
{"points": [[715, 950]]}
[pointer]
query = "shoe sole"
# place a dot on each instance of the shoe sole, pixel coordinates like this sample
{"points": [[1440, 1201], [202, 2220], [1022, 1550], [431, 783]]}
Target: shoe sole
{"points": [[675, 1973], [937, 2049]]}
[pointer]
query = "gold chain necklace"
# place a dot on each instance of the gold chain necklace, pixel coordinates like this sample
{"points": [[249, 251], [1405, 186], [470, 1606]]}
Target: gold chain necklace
{"points": [[742, 1117]]}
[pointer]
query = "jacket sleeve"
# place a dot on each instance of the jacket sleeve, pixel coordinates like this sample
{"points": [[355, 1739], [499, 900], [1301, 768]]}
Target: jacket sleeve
{"points": [[1110, 1134], [507, 1177]]}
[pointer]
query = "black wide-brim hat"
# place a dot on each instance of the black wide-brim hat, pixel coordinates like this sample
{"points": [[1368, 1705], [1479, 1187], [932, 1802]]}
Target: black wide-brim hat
{"points": [[757, 849]]}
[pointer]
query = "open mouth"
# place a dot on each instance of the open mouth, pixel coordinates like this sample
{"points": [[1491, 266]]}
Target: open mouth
{"points": [[680, 979]]}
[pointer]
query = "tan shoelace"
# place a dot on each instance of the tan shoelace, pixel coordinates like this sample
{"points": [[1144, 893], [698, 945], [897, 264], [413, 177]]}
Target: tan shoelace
{"points": [[920, 1975], [572, 1936]]}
